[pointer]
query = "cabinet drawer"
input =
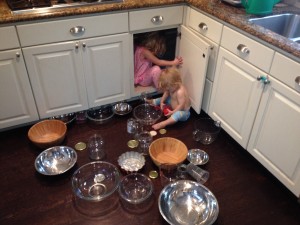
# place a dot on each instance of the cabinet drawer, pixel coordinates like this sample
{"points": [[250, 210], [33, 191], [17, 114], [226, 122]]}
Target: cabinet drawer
{"points": [[258, 54], [205, 25], [63, 30], [155, 18], [8, 38], [286, 71]]}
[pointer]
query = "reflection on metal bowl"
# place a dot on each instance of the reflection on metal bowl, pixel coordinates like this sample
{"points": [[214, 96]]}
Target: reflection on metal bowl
{"points": [[187, 202], [122, 108], [55, 160], [100, 115]]}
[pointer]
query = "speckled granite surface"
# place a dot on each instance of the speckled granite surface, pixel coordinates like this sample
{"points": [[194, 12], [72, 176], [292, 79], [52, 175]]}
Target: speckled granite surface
{"points": [[234, 16]]}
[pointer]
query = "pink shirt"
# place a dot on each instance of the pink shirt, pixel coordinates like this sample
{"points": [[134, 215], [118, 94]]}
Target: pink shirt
{"points": [[141, 65]]}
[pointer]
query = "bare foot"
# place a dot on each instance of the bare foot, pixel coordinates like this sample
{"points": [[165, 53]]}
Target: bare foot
{"points": [[158, 126]]}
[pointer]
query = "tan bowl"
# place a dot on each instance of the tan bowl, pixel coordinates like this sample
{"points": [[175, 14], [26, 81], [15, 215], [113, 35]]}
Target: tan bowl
{"points": [[47, 133], [168, 150]]}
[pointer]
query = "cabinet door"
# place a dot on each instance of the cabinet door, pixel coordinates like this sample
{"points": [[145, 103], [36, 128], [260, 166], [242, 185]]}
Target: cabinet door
{"points": [[275, 136], [235, 96], [56, 75], [195, 53], [106, 69], [16, 98]]}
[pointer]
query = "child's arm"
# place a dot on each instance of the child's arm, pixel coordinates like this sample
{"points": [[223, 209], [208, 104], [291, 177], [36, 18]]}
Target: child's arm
{"points": [[152, 58], [163, 99], [181, 99]]}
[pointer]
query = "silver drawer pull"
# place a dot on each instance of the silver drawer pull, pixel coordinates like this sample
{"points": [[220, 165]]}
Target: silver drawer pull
{"points": [[157, 20], [297, 80], [77, 30], [203, 26], [243, 49]]}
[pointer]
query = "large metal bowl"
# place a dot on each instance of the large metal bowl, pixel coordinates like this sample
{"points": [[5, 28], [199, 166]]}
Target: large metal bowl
{"points": [[55, 160], [147, 114], [187, 202]]}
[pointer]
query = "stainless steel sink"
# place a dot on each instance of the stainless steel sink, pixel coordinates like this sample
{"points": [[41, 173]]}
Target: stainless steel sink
{"points": [[287, 25]]}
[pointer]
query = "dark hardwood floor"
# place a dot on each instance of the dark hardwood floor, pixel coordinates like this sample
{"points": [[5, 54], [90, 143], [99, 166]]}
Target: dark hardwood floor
{"points": [[246, 192]]}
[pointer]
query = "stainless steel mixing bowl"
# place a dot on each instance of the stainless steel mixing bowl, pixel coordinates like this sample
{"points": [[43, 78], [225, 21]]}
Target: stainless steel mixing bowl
{"points": [[187, 202], [55, 160]]}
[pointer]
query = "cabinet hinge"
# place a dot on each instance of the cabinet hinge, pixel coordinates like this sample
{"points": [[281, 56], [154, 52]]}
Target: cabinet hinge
{"points": [[179, 35]]}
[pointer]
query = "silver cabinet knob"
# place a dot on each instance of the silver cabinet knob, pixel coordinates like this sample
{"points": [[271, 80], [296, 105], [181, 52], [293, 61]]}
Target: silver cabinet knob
{"points": [[76, 45], [243, 49], [84, 44], [263, 79], [203, 26], [157, 20], [18, 54], [297, 80], [77, 30]]}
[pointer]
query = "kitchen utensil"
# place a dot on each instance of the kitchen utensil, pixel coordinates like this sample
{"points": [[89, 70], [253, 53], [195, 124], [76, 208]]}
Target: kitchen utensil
{"points": [[136, 191], [259, 7], [47, 133], [55, 160], [147, 114], [197, 156], [206, 130], [100, 115], [96, 147], [168, 150], [187, 202], [94, 187], [131, 161]]}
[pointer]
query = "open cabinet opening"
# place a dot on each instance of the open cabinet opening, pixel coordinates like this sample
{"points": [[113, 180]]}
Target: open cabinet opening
{"points": [[170, 36]]}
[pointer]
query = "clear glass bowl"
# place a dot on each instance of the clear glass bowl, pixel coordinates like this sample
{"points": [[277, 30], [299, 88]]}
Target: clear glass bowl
{"points": [[100, 115], [135, 191], [94, 186], [206, 130], [147, 114]]}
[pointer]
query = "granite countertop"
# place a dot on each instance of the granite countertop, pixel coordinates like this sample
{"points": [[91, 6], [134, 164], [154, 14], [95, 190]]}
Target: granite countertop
{"points": [[235, 16]]}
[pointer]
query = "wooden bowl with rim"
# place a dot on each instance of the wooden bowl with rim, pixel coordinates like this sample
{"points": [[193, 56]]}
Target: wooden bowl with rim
{"points": [[47, 133], [168, 150]]}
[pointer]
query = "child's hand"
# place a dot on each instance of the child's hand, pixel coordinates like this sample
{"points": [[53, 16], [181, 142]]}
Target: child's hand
{"points": [[178, 61]]}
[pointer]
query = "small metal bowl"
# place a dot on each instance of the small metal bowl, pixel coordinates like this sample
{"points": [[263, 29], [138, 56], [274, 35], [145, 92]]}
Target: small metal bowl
{"points": [[188, 202], [197, 157], [131, 161], [122, 108], [55, 160], [100, 115], [66, 118]]}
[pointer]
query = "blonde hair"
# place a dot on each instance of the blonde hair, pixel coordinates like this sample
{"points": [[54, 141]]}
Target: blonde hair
{"points": [[155, 43], [170, 78]]}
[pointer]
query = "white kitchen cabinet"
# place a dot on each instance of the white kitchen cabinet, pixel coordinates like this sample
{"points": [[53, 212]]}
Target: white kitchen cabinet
{"points": [[16, 98], [275, 136], [236, 91], [108, 56], [210, 31], [236, 95], [57, 79], [77, 71], [195, 53]]}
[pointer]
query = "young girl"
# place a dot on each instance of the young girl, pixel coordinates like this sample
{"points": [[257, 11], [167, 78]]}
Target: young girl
{"points": [[145, 73], [175, 96]]}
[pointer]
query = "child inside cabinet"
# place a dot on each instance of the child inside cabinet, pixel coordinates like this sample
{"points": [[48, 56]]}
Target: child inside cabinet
{"points": [[146, 62], [175, 101]]}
